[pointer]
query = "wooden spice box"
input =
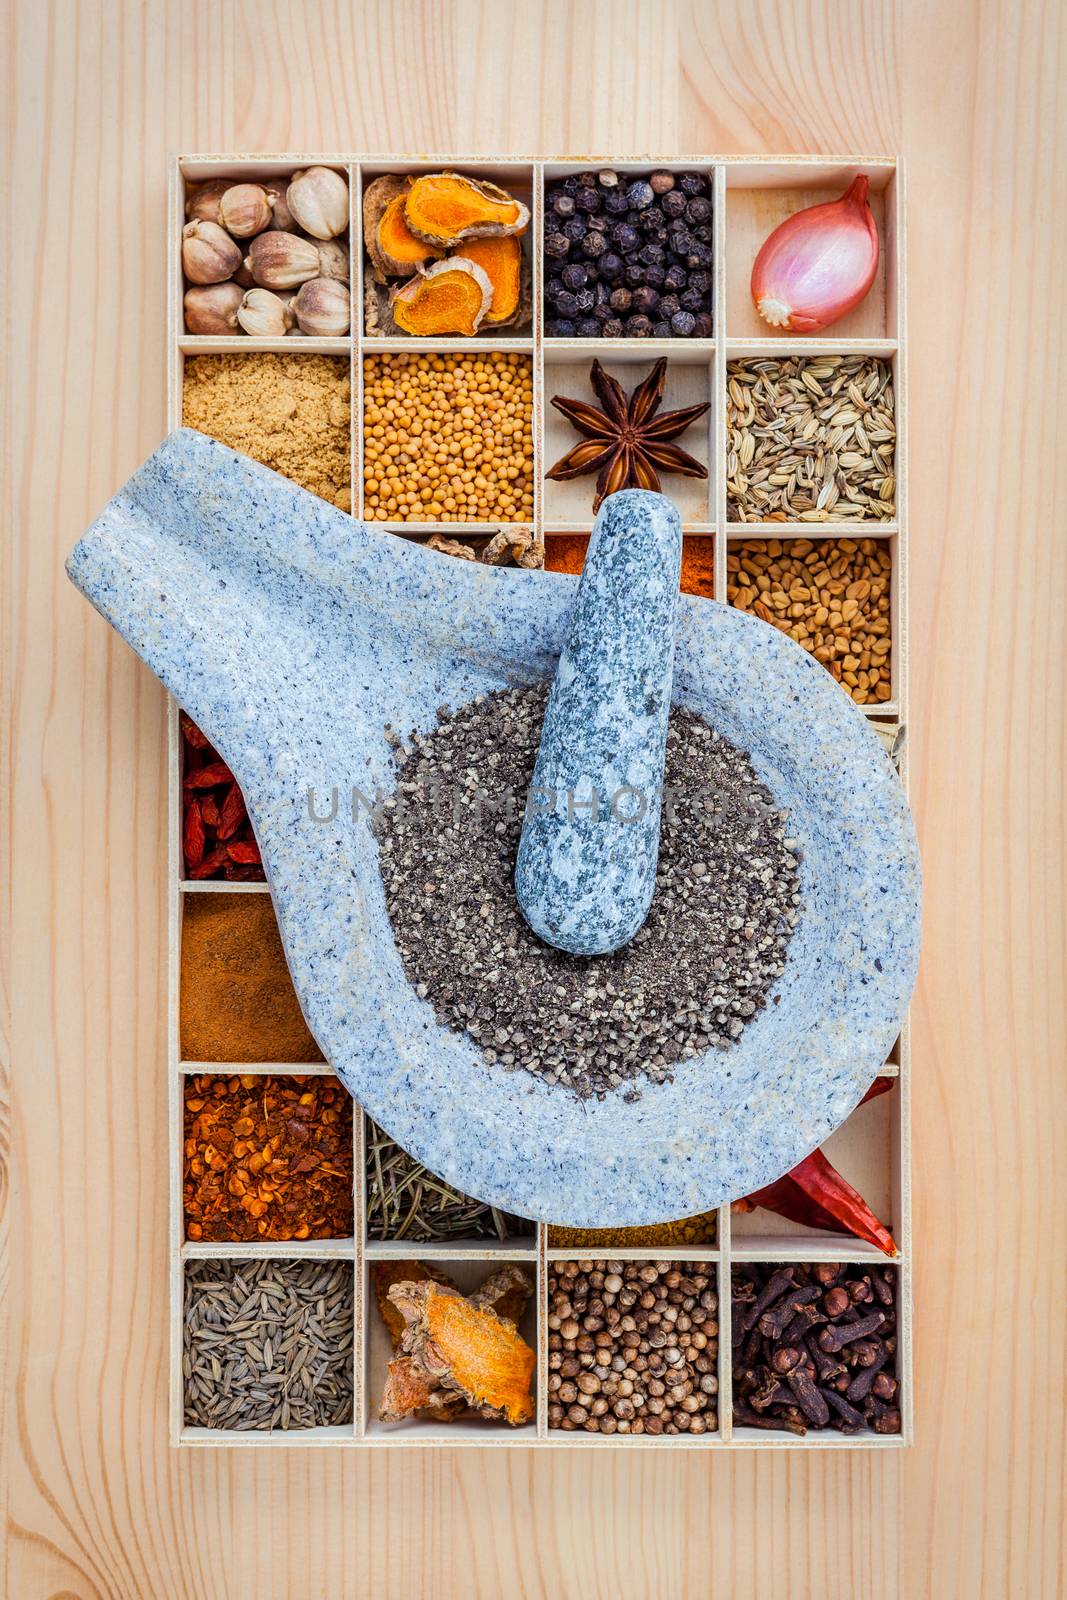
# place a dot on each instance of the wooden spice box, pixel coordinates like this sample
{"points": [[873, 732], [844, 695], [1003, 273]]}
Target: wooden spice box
{"points": [[872, 1149]]}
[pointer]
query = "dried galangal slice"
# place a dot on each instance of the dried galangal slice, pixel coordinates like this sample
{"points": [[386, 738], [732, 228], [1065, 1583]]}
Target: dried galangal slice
{"points": [[391, 245]]}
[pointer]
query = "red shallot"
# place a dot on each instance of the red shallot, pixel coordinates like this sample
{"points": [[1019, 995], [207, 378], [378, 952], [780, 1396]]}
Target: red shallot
{"points": [[818, 264]]}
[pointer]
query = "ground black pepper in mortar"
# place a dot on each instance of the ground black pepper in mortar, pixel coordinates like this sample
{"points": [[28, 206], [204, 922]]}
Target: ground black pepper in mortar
{"points": [[726, 900]]}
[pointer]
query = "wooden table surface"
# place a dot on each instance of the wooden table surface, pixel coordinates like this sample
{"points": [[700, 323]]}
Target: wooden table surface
{"points": [[97, 96]]}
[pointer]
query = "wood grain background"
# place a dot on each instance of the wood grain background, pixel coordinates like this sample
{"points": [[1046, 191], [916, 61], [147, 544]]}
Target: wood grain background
{"points": [[96, 96]]}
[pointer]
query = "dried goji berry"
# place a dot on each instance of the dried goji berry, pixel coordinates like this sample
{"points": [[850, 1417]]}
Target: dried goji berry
{"points": [[192, 734], [232, 812], [193, 835], [245, 851], [208, 777], [211, 863]]}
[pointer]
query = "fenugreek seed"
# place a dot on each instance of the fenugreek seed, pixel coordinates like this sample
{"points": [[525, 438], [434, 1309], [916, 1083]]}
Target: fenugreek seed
{"points": [[833, 599]]}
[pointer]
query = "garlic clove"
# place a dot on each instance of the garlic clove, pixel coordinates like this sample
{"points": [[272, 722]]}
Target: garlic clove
{"points": [[333, 260], [244, 210], [282, 260], [264, 315], [281, 217], [212, 308], [322, 308], [209, 255], [202, 202], [318, 199]]}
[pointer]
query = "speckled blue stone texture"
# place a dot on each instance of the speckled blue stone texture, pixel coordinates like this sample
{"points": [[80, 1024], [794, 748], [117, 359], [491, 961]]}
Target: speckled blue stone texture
{"points": [[293, 634], [586, 867]]}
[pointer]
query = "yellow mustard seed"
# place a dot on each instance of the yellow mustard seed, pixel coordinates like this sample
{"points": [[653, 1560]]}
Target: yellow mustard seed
{"points": [[448, 438]]}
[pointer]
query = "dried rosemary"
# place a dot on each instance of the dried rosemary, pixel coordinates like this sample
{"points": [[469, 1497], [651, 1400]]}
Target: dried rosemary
{"points": [[405, 1200]]}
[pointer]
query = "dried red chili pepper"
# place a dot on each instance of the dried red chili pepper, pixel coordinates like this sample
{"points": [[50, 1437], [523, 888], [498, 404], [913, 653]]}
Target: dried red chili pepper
{"points": [[816, 1195]]}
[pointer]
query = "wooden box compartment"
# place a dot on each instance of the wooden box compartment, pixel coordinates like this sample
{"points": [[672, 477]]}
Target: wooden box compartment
{"points": [[872, 1148], [518, 178], [567, 506]]}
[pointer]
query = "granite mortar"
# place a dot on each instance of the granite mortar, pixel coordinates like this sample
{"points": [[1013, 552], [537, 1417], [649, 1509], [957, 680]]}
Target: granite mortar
{"points": [[726, 901]]}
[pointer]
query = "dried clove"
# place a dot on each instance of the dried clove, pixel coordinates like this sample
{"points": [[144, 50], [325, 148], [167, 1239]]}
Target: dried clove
{"points": [[806, 1355]]}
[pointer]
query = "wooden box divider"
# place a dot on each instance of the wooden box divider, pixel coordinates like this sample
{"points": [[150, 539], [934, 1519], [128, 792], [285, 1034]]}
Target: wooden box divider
{"points": [[750, 196]]}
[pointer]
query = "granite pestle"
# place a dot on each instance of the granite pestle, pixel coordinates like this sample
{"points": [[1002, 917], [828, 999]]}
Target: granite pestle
{"points": [[586, 867]]}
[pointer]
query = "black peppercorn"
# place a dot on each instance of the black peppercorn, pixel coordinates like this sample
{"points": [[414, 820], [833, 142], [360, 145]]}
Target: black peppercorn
{"points": [[574, 275], [574, 228], [602, 292], [610, 264], [692, 183], [655, 275], [589, 200], [598, 223], [691, 300], [698, 209], [585, 300], [615, 202], [553, 289], [564, 329], [607, 179], [634, 274], [588, 328], [638, 328], [570, 183], [669, 304], [586, 180], [563, 205], [661, 182], [703, 232], [621, 299], [612, 329], [645, 299], [567, 304], [651, 253], [700, 281], [602, 313], [673, 204], [661, 330], [640, 194], [593, 244], [674, 278], [624, 238], [683, 323], [556, 244], [703, 326]]}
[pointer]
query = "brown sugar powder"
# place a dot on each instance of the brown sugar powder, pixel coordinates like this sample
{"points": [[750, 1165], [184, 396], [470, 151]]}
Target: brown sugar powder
{"points": [[237, 998], [291, 412]]}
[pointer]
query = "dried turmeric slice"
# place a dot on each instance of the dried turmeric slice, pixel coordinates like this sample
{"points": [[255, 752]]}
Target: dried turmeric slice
{"points": [[500, 259], [445, 208], [467, 1349], [392, 247], [451, 296], [384, 1274]]}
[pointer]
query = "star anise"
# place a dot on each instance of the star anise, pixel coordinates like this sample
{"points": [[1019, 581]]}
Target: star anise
{"points": [[626, 442]]}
